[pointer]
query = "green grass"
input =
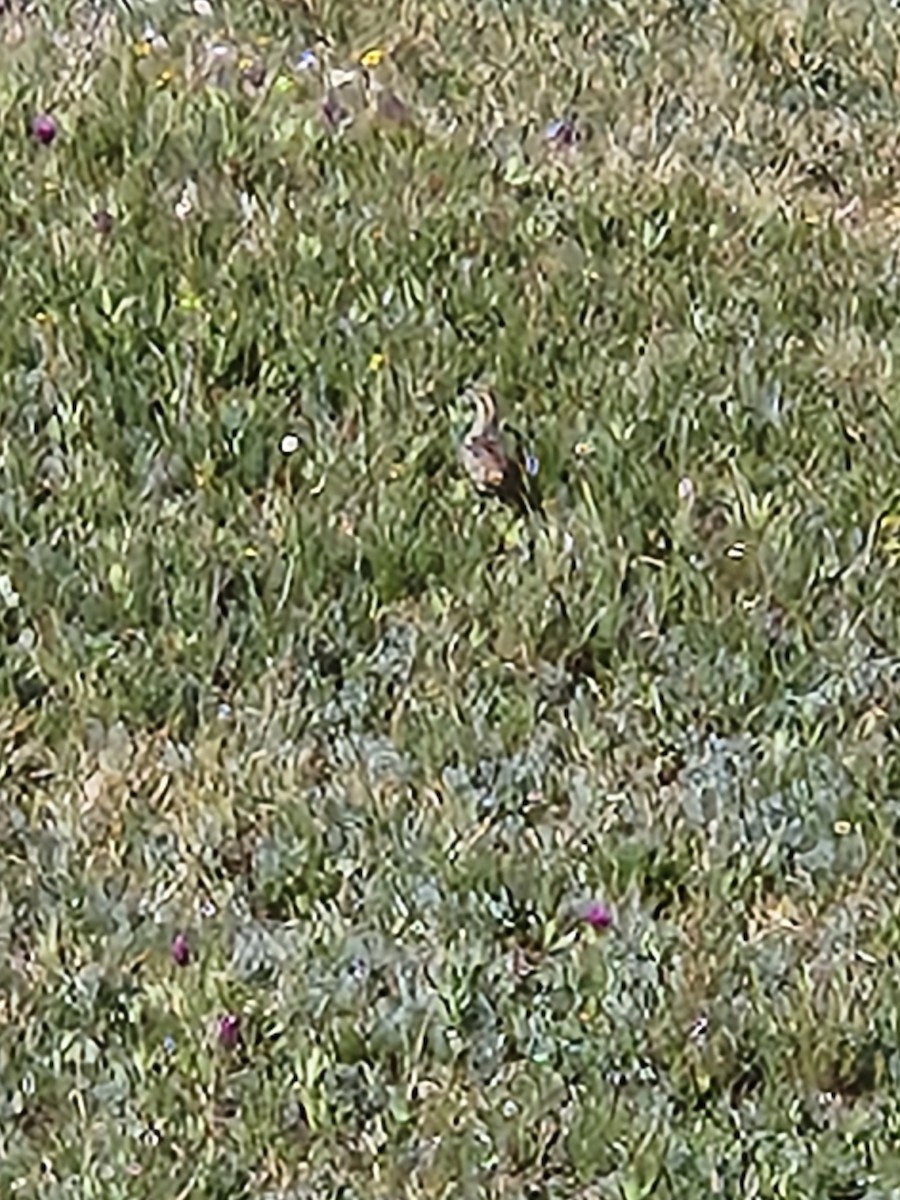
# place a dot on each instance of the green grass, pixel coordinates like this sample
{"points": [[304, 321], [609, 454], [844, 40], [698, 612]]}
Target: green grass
{"points": [[371, 744]]}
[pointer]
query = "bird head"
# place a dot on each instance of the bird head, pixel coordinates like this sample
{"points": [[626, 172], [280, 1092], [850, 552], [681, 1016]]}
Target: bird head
{"points": [[484, 410]]}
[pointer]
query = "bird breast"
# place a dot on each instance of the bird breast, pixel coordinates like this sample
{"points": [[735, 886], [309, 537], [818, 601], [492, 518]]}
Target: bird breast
{"points": [[485, 461]]}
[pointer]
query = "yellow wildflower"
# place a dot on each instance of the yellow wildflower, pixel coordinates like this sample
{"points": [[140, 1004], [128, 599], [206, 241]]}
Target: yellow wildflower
{"points": [[373, 57], [377, 361], [142, 49], [189, 301]]}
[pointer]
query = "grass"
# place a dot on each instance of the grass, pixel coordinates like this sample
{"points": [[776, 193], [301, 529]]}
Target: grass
{"points": [[371, 745]]}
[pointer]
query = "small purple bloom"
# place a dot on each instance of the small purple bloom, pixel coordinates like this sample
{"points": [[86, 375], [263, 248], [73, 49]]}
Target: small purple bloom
{"points": [[181, 951], [307, 61], [43, 129], [597, 914], [229, 1031], [532, 466]]}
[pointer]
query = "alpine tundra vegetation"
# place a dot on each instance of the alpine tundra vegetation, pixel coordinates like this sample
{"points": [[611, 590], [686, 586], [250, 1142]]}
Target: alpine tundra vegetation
{"points": [[362, 836]]}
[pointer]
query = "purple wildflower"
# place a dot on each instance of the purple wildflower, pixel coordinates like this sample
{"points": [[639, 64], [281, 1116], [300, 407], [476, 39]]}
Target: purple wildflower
{"points": [[181, 951], [597, 914], [229, 1031], [44, 129]]}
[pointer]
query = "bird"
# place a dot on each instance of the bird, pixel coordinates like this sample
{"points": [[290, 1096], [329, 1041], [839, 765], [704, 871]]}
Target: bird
{"points": [[483, 453]]}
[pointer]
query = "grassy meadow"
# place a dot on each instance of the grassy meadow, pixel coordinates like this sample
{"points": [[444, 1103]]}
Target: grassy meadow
{"points": [[310, 759]]}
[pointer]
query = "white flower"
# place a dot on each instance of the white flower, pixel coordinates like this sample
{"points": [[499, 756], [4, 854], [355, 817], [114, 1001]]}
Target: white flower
{"points": [[186, 201], [289, 443], [218, 52], [9, 597], [156, 40], [202, 8], [248, 206], [686, 490]]}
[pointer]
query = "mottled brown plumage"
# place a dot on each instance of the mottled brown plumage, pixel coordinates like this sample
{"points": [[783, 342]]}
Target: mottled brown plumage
{"points": [[493, 470]]}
